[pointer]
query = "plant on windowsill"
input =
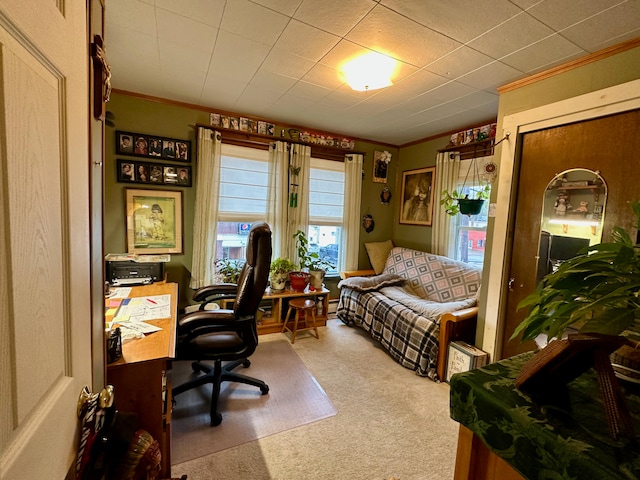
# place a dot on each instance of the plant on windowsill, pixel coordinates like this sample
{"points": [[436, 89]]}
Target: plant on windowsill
{"points": [[279, 273], [311, 261], [456, 202], [228, 270]]}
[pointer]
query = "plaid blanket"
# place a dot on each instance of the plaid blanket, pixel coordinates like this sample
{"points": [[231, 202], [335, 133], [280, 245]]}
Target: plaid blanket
{"points": [[409, 334]]}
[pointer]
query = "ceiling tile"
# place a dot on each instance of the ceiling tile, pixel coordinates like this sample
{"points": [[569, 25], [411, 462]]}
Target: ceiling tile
{"points": [[543, 54], [560, 14], [392, 34], [334, 16], [285, 7], [253, 21], [204, 11], [273, 81], [324, 76], [222, 92], [342, 52], [491, 76], [459, 62], [132, 14], [514, 34], [223, 61], [306, 41], [309, 91], [195, 36], [286, 64], [463, 19], [620, 23]]}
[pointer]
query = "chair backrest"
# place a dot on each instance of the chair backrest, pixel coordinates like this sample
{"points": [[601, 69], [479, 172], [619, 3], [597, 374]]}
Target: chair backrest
{"points": [[254, 275]]}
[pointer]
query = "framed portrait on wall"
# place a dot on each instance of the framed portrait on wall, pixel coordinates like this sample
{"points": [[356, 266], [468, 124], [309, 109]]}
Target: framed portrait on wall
{"points": [[154, 221], [416, 207]]}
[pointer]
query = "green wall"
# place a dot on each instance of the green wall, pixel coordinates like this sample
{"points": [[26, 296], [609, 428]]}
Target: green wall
{"points": [[138, 115]]}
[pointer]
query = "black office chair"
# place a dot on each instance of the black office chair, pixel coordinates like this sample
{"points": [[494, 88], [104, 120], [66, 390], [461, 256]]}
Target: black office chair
{"points": [[227, 335]]}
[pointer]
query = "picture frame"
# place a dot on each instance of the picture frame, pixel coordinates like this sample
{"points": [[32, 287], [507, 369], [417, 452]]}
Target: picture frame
{"points": [[416, 206], [153, 221], [381, 162], [131, 171], [152, 146]]}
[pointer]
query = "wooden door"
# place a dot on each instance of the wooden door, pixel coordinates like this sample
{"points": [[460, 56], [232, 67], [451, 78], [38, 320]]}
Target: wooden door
{"points": [[609, 144], [45, 256]]}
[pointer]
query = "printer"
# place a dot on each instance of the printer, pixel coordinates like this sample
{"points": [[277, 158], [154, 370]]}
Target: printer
{"points": [[128, 272]]}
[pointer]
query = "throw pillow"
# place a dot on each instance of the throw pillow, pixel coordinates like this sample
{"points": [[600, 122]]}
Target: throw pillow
{"points": [[378, 253], [370, 284]]}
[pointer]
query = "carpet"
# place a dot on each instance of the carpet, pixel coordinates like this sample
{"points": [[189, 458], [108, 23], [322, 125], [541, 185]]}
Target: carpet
{"points": [[295, 398]]}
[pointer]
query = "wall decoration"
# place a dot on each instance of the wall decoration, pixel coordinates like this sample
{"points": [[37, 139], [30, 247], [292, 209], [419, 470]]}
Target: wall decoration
{"points": [[141, 145], [145, 172], [417, 196], [154, 221], [385, 196], [367, 223], [381, 162]]}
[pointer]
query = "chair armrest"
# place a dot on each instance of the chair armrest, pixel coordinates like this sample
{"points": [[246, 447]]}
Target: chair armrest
{"points": [[458, 325], [357, 273], [204, 294]]}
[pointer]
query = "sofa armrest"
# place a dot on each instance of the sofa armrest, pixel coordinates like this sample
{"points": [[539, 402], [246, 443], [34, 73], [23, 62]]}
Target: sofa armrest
{"points": [[357, 273], [459, 325]]}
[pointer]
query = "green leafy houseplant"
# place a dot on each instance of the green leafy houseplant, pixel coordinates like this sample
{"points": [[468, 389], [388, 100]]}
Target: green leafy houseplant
{"points": [[596, 291], [451, 200], [279, 272], [229, 269], [309, 260]]}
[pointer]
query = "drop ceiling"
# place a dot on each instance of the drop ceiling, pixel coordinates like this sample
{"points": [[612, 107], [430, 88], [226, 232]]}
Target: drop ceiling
{"points": [[279, 59]]}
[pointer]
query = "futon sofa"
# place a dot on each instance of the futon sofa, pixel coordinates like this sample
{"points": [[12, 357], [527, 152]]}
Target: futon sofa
{"points": [[414, 307]]}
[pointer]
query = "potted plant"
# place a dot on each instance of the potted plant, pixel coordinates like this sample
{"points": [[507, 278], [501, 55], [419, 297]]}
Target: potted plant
{"points": [[228, 270], [279, 273], [311, 261], [598, 291], [458, 202]]}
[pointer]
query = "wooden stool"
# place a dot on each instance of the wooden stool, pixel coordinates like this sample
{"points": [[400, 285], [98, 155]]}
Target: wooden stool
{"points": [[306, 305]]}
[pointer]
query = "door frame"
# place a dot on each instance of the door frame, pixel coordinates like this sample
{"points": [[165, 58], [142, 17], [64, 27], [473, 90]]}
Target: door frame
{"points": [[608, 101]]}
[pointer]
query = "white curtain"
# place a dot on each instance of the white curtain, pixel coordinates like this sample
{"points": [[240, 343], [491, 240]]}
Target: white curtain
{"points": [[278, 197], [298, 206], [443, 234], [205, 215], [350, 242]]}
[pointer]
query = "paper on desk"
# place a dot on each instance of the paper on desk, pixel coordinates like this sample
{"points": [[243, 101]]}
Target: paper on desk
{"points": [[120, 292], [138, 328], [142, 309]]}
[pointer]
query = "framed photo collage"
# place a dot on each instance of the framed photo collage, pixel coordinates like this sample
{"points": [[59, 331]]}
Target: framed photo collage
{"points": [[155, 149]]}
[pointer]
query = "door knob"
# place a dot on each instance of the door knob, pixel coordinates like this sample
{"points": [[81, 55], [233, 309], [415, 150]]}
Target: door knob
{"points": [[510, 284]]}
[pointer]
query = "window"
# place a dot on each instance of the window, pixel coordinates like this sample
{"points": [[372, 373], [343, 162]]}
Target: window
{"points": [[471, 231], [326, 206], [243, 197]]}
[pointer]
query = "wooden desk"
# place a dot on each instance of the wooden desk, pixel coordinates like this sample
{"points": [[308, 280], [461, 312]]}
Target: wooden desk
{"points": [[273, 323], [140, 376]]}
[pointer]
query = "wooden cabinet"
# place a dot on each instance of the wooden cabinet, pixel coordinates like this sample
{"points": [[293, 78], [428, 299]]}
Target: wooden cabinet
{"points": [[139, 378], [275, 305]]}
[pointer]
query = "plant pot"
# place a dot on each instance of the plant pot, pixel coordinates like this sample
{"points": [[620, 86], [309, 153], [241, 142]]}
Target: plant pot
{"points": [[299, 280], [317, 277], [277, 281], [470, 206]]}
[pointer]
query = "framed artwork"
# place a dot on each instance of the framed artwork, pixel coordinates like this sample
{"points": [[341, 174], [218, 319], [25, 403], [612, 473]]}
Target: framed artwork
{"points": [[416, 207], [381, 162], [141, 145], [154, 221], [130, 171]]}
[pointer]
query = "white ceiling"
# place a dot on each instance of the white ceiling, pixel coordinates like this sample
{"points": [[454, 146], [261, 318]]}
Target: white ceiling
{"points": [[279, 59]]}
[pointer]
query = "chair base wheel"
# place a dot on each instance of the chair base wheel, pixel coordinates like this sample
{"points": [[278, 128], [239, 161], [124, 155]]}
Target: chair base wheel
{"points": [[264, 389], [216, 420]]}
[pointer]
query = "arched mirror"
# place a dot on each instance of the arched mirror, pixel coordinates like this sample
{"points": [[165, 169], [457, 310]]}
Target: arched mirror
{"points": [[572, 216]]}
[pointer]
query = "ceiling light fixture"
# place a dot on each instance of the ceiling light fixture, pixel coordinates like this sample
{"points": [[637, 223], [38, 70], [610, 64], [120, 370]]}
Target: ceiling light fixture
{"points": [[369, 72]]}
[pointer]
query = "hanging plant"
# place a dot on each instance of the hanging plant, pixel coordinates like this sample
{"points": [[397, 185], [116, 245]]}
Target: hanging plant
{"points": [[459, 202]]}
